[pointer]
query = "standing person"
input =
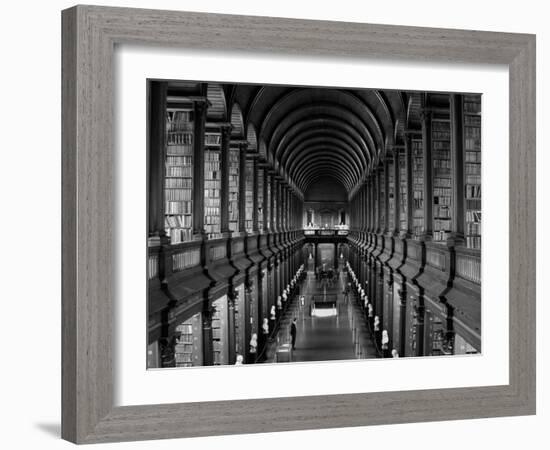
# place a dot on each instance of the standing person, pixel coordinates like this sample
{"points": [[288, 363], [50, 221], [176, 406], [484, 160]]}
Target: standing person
{"points": [[293, 333]]}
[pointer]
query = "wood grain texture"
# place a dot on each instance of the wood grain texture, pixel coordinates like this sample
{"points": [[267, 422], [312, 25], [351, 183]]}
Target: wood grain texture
{"points": [[89, 36]]}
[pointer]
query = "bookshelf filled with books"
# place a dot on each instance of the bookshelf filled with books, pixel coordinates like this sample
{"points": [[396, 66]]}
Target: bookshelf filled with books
{"points": [[178, 182], [441, 176], [472, 169], [234, 190], [391, 193], [261, 204], [403, 197], [268, 202], [188, 349], [417, 160], [240, 321], [382, 200], [212, 184], [249, 196], [220, 328]]}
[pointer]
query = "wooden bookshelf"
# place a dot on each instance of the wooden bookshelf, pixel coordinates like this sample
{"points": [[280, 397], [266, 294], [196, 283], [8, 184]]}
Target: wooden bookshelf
{"points": [[435, 335], [268, 203], [417, 160], [442, 180], [212, 184], [391, 194], [249, 196], [382, 200], [240, 321], [234, 190], [188, 349], [178, 182], [260, 199], [403, 197], [472, 169], [220, 331]]}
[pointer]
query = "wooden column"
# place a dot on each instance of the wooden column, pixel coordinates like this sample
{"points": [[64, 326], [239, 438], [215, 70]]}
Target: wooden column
{"points": [[224, 194], [157, 151], [207, 343], [386, 195], [231, 338], [370, 191], [376, 194], [255, 227], [396, 192], [273, 189], [198, 168], [408, 162], [427, 166], [266, 206], [242, 186], [457, 164]]}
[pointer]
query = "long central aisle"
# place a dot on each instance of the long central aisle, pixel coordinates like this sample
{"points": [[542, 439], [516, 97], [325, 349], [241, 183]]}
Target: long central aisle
{"points": [[325, 338]]}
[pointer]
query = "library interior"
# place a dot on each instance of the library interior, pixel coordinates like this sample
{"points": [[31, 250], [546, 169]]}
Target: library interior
{"points": [[294, 223]]}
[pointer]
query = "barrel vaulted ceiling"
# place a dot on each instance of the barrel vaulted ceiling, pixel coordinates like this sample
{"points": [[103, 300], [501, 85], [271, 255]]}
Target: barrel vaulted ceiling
{"points": [[308, 134]]}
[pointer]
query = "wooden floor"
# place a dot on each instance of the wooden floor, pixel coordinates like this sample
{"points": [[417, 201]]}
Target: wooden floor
{"points": [[324, 338]]}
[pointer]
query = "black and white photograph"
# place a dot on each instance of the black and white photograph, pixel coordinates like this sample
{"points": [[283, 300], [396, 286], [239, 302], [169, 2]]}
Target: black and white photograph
{"points": [[292, 224]]}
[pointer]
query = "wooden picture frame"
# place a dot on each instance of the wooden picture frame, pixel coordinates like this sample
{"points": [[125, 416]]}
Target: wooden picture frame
{"points": [[90, 34]]}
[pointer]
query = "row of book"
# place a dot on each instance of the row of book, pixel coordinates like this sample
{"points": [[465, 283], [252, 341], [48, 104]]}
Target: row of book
{"points": [[472, 157], [212, 220], [441, 146], [472, 121], [442, 211], [441, 154], [472, 144], [472, 132], [472, 169], [472, 106], [173, 149], [473, 228], [212, 139], [212, 176], [211, 156], [473, 216], [473, 191], [178, 221], [180, 207], [441, 191], [444, 200], [212, 210], [441, 136], [442, 182], [178, 194], [178, 183], [473, 242], [211, 194], [179, 171], [179, 161], [418, 203], [442, 164], [180, 117], [473, 204], [440, 125], [178, 235], [179, 138], [473, 179]]}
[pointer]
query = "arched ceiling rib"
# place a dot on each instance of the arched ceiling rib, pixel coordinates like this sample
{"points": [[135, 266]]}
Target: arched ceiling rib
{"points": [[237, 123]]}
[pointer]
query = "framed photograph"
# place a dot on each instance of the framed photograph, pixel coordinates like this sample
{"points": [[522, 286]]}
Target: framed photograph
{"points": [[265, 229]]}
